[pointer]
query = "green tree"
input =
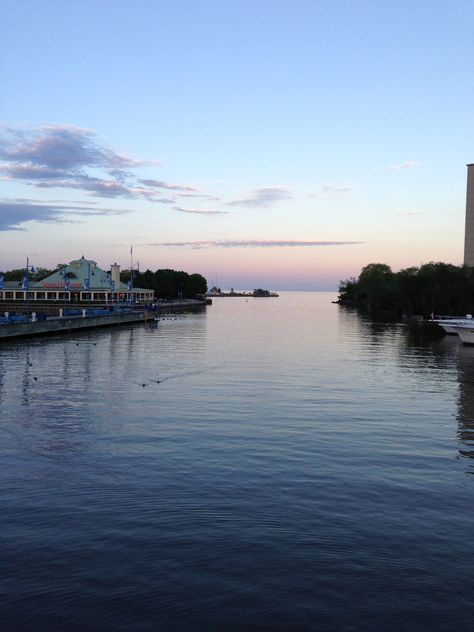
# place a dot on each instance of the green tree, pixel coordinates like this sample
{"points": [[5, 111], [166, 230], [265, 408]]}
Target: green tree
{"points": [[435, 287], [407, 291], [180, 280], [195, 285], [439, 285], [376, 286], [41, 273], [347, 290], [14, 275], [165, 280], [168, 284]]}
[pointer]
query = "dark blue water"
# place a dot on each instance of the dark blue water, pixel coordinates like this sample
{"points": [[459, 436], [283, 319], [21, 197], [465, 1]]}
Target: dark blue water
{"points": [[296, 468]]}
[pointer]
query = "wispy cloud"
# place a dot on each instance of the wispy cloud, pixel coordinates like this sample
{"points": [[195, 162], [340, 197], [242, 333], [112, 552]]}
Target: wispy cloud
{"points": [[99, 187], [54, 157], [252, 243], [14, 213], [335, 190], [204, 196], [331, 191], [263, 197], [408, 213], [198, 211], [409, 164], [59, 147], [159, 184], [61, 156], [164, 200]]}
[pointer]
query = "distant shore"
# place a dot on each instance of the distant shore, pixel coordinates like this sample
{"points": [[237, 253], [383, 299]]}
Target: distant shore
{"points": [[259, 293]]}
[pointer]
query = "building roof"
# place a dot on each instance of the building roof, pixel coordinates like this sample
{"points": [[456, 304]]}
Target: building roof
{"points": [[12, 285], [77, 272]]}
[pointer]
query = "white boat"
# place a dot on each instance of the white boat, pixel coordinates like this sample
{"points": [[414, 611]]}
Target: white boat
{"points": [[450, 324], [466, 332]]}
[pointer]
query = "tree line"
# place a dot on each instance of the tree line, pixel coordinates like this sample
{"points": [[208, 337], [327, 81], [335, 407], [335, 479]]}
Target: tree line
{"points": [[18, 274], [433, 288], [168, 284]]}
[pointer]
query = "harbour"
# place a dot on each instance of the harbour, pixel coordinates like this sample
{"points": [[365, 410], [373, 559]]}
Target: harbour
{"points": [[224, 471], [236, 350]]}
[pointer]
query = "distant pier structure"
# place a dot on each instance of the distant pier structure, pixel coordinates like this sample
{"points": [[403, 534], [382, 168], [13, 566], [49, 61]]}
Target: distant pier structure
{"points": [[469, 230]]}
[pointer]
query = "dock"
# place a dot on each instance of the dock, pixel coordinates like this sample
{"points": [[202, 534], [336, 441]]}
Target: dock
{"points": [[70, 320]]}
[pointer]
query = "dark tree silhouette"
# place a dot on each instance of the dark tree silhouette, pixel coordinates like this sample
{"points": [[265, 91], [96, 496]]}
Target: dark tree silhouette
{"points": [[436, 287]]}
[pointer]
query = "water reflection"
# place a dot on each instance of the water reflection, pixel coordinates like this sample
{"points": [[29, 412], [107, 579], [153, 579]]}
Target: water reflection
{"points": [[2, 379], [279, 426], [427, 352], [58, 393], [450, 359], [27, 377], [64, 384], [465, 412]]}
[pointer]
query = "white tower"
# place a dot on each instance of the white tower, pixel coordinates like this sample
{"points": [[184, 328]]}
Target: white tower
{"points": [[469, 230], [115, 274]]}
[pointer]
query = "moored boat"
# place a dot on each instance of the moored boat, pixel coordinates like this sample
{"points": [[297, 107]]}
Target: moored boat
{"points": [[465, 331], [450, 324]]}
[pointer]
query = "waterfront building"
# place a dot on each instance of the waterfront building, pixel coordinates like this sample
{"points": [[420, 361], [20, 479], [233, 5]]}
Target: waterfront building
{"points": [[469, 229], [79, 281]]}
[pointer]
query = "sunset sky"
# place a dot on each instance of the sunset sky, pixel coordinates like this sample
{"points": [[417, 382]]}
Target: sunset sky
{"points": [[273, 143]]}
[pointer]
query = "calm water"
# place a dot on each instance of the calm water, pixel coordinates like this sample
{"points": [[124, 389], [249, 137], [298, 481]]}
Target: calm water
{"points": [[296, 468]]}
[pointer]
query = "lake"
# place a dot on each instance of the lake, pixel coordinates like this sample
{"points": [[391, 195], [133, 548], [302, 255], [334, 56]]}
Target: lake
{"points": [[265, 464]]}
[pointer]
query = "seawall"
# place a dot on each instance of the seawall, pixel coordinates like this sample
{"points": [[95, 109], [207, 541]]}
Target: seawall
{"points": [[66, 324]]}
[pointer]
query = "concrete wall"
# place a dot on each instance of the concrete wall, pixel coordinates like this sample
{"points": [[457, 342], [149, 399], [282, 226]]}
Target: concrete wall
{"points": [[71, 323], [59, 325], [469, 230]]}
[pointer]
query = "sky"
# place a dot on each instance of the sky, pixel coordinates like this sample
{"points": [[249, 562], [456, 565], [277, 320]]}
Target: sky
{"points": [[266, 143]]}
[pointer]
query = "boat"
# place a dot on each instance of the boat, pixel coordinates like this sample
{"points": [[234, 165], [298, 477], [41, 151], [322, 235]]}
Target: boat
{"points": [[465, 331], [450, 324], [463, 327]]}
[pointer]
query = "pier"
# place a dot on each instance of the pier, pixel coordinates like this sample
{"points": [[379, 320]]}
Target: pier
{"points": [[14, 325]]}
